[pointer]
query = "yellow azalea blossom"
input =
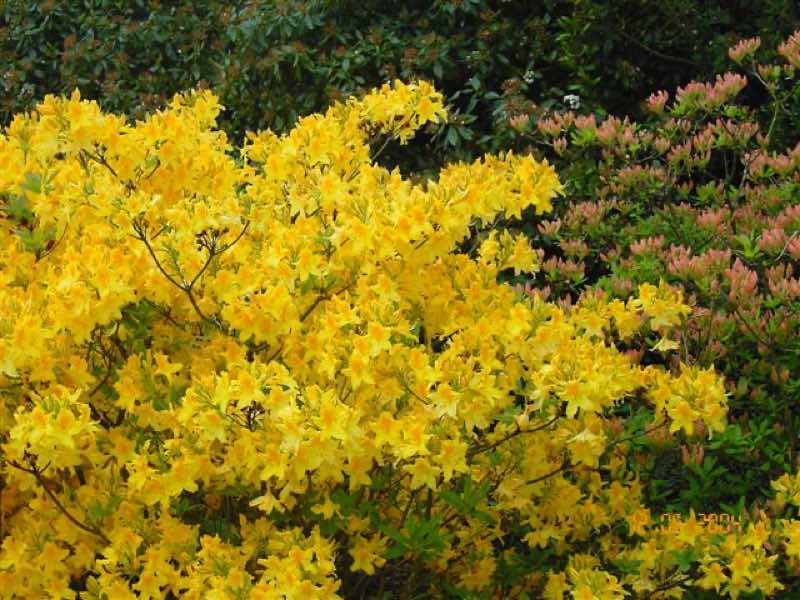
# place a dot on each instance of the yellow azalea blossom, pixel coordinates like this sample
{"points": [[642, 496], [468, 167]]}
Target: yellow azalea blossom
{"points": [[269, 370]]}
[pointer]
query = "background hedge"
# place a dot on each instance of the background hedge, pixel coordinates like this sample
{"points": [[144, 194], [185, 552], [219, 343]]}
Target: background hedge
{"points": [[272, 61]]}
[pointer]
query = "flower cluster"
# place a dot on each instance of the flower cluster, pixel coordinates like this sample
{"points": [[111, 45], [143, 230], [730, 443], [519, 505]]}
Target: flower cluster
{"points": [[272, 374], [700, 193]]}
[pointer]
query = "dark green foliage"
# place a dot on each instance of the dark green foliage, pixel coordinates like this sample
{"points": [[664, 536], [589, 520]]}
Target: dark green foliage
{"points": [[131, 54], [272, 61]]}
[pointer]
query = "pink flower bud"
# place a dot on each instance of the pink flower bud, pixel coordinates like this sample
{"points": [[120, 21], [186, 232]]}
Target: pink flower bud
{"points": [[519, 122], [790, 50], [793, 248], [656, 102], [661, 145], [586, 122], [550, 228], [772, 240], [744, 49], [549, 127]]}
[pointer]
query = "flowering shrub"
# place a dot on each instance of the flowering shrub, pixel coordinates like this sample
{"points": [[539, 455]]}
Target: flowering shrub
{"points": [[268, 374], [701, 194]]}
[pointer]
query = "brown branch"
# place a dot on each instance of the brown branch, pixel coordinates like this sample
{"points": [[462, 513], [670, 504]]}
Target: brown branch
{"points": [[509, 436], [670, 584], [322, 297], [227, 247], [411, 499], [101, 160], [655, 52], [564, 466], [407, 388], [97, 414], [737, 313], [213, 252], [211, 256], [52, 248], [382, 148], [40, 480], [164, 313], [140, 230], [314, 305], [303, 316], [633, 437], [275, 354]]}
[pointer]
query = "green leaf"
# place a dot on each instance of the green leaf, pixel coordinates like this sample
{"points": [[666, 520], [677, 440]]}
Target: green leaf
{"points": [[33, 183], [683, 559], [451, 139], [17, 207], [454, 500], [628, 567]]}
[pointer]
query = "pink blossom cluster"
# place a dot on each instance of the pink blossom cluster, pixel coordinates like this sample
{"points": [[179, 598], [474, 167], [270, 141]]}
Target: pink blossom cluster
{"points": [[561, 268], [790, 50], [685, 265], [588, 214], [744, 49], [709, 96], [761, 164]]}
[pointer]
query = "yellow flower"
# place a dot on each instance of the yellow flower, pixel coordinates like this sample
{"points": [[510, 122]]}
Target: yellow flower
{"points": [[638, 521], [423, 473], [740, 568], [452, 458], [165, 367], [683, 417], [366, 554]]}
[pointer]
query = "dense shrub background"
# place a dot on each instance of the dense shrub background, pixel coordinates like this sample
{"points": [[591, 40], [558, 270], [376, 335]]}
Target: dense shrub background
{"points": [[272, 61]]}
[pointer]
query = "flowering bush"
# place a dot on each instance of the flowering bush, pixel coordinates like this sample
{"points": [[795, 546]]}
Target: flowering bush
{"points": [[701, 194], [268, 374]]}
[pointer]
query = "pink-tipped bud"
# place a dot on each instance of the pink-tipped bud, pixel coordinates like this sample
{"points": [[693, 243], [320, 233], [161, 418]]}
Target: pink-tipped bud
{"points": [[790, 50], [656, 102], [744, 49], [519, 122]]}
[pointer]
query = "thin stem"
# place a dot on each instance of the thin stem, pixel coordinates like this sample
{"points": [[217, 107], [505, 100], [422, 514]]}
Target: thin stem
{"points": [[101, 160], [634, 436], [164, 314], [655, 52], [40, 480], [411, 499], [382, 148], [509, 436], [140, 228], [142, 236], [670, 584], [737, 313], [52, 248], [564, 466]]}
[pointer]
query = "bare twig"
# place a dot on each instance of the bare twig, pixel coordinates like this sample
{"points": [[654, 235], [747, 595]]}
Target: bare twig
{"points": [[670, 584], [210, 244], [52, 248], [37, 473], [472, 452], [564, 466], [655, 52]]}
